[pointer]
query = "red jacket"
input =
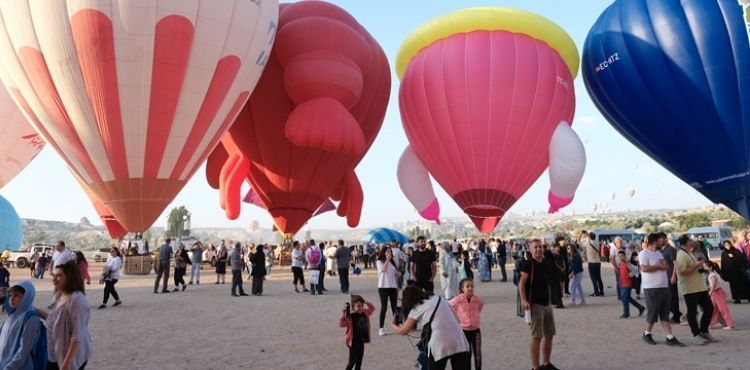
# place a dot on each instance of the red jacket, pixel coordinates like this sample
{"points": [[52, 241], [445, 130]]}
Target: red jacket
{"points": [[625, 281], [347, 323]]}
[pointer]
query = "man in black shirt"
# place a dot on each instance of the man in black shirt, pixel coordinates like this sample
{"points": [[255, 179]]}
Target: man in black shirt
{"points": [[502, 258], [424, 265], [534, 288]]}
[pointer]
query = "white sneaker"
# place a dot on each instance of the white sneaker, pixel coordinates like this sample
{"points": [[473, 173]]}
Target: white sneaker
{"points": [[727, 328], [381, 332]]}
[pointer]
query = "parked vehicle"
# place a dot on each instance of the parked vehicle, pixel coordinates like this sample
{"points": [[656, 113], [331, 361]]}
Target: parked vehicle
{"points": [[714, 235], [22, 259], [101, 255]]}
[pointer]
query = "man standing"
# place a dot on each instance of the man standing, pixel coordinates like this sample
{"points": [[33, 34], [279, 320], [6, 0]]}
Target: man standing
{"points": [[693, 288], [162, 267], [670, 255], [594, 261], [313, 256], [60, 256], [502, 258], [235, 261], [424, 266], [343, 257], [298, 260], [654, 283], [196, 258], [534, 290]]}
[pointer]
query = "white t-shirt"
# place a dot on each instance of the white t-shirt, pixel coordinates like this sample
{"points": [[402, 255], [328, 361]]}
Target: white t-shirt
{"points": [[297, 258], [114, 265], [654, 279], [613, 254], [386, 279], [447, 336], [59, 258], [398, 256]]}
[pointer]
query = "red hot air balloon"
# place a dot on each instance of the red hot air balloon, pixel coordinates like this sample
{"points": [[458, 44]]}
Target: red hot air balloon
{"points": [[114, 228], [482, 92], [19, 143], [317, 109], [134, 95]]}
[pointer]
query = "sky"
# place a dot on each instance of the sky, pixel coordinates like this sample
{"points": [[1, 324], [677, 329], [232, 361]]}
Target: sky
{"points": [[47, 190]]}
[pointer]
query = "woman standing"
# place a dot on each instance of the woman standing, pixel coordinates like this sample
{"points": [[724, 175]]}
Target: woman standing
{"points": [[465, 267], [448, 269], [68, 341], [483, 264], [111, 275], [222, 255], [447, 342], [259, 270], [84, 266], [576, 274], [636, 280], [181, 260], [387, 286], [407, 262], [733, 265]]}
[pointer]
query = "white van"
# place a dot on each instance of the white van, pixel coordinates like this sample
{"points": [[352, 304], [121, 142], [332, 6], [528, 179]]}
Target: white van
{"points": [[604, 236], [714, 235]]}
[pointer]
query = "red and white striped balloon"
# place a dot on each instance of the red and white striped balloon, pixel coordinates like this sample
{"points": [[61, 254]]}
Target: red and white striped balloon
{"points": [[19, 143], [134, 95]]}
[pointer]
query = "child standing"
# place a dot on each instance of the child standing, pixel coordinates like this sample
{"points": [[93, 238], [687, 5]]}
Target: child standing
{"points": [[718, 298], [21, 329], [468, 308], [626, 285], [357, 324]]}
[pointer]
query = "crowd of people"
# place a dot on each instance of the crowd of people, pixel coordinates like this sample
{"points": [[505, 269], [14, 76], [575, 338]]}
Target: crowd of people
{"points": [[661, 272]]}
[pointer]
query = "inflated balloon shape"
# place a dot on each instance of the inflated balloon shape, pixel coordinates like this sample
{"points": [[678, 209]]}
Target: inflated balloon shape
{"points": [[382, 235], [672, 77], [114, 228], [134, 95], [414, 181], [317, 109], [567, 162], [19, 143], [482, 93], [11, 230]]}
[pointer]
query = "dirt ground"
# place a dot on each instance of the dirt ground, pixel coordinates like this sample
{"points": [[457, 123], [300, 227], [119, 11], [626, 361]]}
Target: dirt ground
{"points": [[205, 328]]}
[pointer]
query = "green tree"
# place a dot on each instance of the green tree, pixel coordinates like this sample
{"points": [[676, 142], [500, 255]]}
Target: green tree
{"points": [[691, 220], [175, 222]]}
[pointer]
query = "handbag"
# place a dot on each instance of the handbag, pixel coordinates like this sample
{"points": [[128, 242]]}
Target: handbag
{"points": [[423, 344]]}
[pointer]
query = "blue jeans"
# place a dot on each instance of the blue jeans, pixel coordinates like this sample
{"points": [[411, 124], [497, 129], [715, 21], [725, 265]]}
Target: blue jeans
{"points": [[195, 272], [627, 300]]}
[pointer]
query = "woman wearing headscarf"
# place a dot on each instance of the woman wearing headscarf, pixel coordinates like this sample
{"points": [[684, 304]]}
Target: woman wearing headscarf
{"points": [[483, 264], [259, 270], [448, 271], [733, 265], [18, 334]]}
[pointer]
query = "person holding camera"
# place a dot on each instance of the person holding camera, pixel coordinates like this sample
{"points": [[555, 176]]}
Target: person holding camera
{"points": [[693, 288], [356, 319]]}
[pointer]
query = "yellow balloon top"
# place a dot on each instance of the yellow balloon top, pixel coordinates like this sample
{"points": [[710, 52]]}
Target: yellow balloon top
{"points": [[490, 19]]}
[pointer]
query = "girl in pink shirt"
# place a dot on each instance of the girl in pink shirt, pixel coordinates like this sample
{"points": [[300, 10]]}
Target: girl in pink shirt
{"points": [[468, 308]]}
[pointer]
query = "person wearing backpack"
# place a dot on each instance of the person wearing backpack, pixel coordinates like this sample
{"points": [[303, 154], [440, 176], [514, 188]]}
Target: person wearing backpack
{"points": [[23, 340], [313, 255], [442, 339]]}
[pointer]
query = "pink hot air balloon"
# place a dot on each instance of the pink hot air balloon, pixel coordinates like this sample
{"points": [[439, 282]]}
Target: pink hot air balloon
{"points": [[19, 143], [482, 92], [414, 181], [567, 161]]}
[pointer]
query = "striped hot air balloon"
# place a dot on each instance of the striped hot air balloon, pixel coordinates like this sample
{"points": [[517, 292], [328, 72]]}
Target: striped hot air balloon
{"points": [[134, 95], [19, 143]]}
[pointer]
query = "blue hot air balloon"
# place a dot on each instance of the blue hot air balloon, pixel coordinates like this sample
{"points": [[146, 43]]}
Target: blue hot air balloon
{"points": [[673, 77], [11, 231], [384, 235]]}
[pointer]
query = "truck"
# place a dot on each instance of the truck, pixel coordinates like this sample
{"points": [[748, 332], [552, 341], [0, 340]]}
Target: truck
{"points": [[23, 259]]}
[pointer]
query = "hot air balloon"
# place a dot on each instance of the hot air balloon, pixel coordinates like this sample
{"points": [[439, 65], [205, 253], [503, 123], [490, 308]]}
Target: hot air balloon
{"points": [[483, 92], [612, 196], [134, 95], [384, 235], [11, 230], [19, 143], [670, 75], [114, 228], [630, 192], [317, 109], [254, 225]]}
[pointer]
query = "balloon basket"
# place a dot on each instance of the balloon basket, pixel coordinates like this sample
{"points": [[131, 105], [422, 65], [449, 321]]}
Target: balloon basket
{"points": [[138, 265]]}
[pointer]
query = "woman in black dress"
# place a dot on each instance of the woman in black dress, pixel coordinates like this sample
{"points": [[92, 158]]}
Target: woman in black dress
{"points": [[733, 265]]}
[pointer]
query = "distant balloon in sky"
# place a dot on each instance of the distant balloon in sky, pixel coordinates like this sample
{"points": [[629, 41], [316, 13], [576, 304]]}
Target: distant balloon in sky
{"points": [[630, 191], [134, 95], [612, 196], [671, 75], [19, 143], [11, 230], [318, 108], [482, 93]]}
